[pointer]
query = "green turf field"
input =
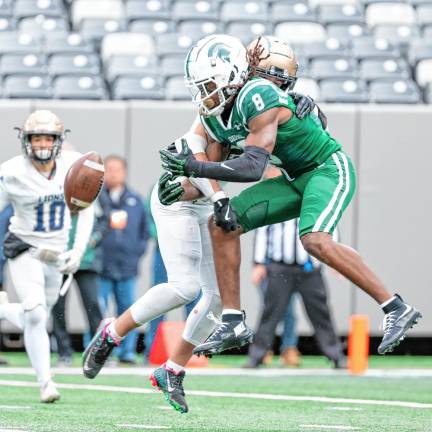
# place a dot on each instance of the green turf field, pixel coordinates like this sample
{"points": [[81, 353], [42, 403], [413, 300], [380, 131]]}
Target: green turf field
{"points": [[228, 403]]}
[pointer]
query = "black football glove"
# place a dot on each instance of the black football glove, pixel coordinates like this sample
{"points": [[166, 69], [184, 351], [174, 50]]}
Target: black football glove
{"points": [[304, 104], [169, 193], [177, 163], [224, 216]]}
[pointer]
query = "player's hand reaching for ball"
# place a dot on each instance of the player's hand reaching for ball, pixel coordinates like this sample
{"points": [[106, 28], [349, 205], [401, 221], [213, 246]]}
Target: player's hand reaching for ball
{"points": [[224, 215], [177, 163], [169, 192]]}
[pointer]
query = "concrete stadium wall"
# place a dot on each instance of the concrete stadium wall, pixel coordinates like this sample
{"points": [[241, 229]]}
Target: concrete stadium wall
{"points": [[387, 221]]}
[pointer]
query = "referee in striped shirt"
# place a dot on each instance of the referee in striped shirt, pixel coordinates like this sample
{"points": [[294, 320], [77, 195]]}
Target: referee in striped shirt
{"points": [[290, 269]]}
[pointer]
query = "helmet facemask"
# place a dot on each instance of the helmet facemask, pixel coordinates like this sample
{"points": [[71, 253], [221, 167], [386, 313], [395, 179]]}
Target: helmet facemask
{"points": [[215, 70], [42, 122], [273, 59], [280, 76], [211, 99], [41, 155]]}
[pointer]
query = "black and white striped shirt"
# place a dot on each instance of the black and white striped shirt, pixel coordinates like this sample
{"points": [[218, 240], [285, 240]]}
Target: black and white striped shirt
{"points": [[281, 243]]}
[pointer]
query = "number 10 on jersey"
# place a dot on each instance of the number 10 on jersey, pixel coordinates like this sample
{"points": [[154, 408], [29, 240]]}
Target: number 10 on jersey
{"points": [[54, 212]]}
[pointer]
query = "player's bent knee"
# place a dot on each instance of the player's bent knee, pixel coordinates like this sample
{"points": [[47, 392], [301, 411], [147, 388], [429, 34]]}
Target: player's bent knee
{"points": [[188, 288], [317, 244], [35, 316]]}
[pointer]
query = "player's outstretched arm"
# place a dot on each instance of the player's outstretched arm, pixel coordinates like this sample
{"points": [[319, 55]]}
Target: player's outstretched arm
{"points": [[247, 168]]}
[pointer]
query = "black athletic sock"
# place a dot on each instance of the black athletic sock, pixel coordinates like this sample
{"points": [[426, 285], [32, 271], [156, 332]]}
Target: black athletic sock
{"points": [[232, 317], [396, 303]]}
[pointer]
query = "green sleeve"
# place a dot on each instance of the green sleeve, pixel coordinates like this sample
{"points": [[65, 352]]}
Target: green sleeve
{"points": [[258, 97]]}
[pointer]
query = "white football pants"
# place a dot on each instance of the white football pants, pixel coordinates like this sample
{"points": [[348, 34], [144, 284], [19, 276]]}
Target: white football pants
{"points": [[37, 286], [186, 249]]}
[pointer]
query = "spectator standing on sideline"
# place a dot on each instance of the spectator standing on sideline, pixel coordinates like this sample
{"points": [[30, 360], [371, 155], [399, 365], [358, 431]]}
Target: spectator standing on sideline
{"points": [[87, 279], [289, 269], [123, 245], [5, 216]]}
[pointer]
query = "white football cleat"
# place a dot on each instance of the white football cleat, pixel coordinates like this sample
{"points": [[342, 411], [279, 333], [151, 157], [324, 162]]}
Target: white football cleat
{"points": [[4, 298], [49, 393]]}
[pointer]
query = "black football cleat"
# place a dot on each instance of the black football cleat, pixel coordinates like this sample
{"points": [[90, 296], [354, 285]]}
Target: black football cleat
{"points": [[171, 384], [231, 332], [98, 350], [395, 324]]}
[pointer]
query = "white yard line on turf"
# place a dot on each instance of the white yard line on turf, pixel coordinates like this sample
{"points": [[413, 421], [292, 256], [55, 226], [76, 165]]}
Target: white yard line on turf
{"points": [[264, 372], [262, 396], [329, 427], [137, 426], [340, 408], [12, 429], [13, 407]]}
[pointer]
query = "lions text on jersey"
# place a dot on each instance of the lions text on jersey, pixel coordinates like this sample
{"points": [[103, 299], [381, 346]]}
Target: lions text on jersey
{"points": [[41, 217]]}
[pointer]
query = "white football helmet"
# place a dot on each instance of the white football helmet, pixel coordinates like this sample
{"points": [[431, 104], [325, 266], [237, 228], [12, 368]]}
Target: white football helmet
{"points": [[42, 122], [215, 69]]}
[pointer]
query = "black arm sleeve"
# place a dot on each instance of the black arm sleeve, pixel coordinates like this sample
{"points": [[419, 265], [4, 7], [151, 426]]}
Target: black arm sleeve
{"points": [[247, 168]]}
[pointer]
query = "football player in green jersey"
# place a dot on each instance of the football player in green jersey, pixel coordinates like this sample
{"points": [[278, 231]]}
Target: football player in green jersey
{"points": [[318, 182]]}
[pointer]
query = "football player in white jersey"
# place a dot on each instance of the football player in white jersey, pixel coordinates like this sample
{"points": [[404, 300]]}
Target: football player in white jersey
{"points": [[38, 235], [186, 249]]}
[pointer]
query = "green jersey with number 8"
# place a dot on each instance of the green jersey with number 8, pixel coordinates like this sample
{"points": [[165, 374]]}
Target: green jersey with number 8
{"points": [[301, 145]]}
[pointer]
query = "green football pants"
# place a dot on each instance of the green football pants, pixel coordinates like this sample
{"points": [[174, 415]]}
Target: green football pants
{"points": [[319, 197]]}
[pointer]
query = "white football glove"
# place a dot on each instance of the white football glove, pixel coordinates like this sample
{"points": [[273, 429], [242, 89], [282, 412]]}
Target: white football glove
{"points": [[69, 261]]}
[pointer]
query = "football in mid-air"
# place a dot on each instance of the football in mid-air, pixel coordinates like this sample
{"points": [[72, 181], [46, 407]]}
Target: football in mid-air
{"points": [[84, 181]]}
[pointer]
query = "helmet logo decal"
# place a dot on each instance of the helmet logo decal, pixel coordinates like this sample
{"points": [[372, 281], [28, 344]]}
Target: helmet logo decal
{"points": [[220, 50]]}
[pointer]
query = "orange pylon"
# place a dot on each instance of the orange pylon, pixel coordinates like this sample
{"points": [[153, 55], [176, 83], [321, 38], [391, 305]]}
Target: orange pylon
{"points": [[358, 344]]}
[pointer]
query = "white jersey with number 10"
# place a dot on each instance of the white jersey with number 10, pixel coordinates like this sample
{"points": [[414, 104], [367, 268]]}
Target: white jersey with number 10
{"points": [[41, 217]]}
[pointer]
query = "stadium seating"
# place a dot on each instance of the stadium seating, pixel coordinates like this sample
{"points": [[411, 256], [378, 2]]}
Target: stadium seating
{"points": [[127, 44], [176, 90], [199, 29], [423, 72], [36, 26], [79, 87], [348, 91], [350, 47], [94, 29], [145, 87], [239, 10], [27, 87], [284, 12], [152, 27], [200, 10], [73, 43], [341, 14], [19, 64], [124, 65], [173, 43], [30, 8], [375, 69], [331, 48], [74, 64], [391, 92], [148, 9], [172, 66], [247, 31], [342, 67]]}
